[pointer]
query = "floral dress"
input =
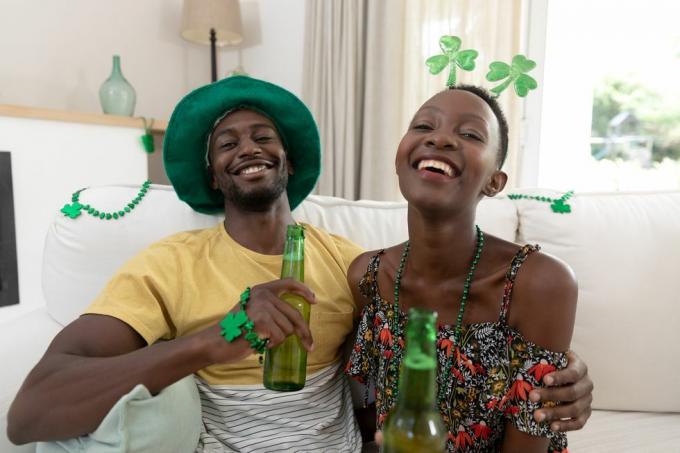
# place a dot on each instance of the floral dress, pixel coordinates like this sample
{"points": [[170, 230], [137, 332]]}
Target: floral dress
{"points": [[492, 371]]}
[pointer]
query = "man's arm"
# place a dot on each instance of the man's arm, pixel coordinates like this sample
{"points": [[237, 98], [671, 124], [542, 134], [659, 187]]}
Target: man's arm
{"points": [[97, 359], [92, 363]]}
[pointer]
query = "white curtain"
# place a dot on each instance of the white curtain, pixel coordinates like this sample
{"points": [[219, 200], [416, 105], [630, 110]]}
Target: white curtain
{"points": [[365, 76], [333, 88]]}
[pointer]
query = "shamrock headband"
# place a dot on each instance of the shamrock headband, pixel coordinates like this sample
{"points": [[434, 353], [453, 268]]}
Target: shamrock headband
{"points": [[453, 57]]}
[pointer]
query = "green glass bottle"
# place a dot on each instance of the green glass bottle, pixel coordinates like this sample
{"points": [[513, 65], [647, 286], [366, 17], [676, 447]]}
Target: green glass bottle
{"points": [[414, 424], [285, 366]]}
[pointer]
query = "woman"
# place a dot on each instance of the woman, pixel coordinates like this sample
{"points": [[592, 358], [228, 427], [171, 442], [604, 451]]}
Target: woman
{"points": [[498, 326]]}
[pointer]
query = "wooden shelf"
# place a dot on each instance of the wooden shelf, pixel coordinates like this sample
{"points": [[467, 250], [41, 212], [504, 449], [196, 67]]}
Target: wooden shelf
{"points": [[158, 126]]}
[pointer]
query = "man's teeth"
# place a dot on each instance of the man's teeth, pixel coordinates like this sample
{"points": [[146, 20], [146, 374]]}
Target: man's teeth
{"points": [[253, 169], [437, 164]]}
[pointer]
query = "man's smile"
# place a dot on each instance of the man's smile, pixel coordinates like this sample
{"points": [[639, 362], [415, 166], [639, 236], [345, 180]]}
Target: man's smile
{"points": [[252, 167]]}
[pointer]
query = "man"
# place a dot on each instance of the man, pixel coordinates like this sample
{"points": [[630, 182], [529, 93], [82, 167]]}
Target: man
{"points": [[251, 149]]}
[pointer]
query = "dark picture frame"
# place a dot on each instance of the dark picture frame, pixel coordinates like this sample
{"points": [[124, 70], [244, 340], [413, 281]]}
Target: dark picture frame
{"points": [[9, 275]]}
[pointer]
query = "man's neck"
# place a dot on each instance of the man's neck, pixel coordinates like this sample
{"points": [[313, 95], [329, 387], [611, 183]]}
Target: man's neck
{"points": [[262, 232]]}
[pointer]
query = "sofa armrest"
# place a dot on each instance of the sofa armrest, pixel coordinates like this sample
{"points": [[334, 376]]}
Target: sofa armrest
{"points": [[23, 341]]}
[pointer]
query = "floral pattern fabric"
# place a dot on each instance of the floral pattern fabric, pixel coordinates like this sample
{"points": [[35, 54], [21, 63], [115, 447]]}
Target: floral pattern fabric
{"points": [[490, 374]]}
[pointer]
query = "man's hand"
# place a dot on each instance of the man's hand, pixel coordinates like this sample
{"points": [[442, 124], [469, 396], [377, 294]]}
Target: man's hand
{"points": [[272, 317], [573, 388]]}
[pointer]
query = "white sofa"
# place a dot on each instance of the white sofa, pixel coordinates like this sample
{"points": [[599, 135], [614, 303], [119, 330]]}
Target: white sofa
{"points": [[624, 248]]}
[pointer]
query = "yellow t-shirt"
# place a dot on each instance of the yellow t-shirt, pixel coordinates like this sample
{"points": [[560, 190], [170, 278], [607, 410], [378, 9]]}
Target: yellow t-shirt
{"points": [[189, 281]]}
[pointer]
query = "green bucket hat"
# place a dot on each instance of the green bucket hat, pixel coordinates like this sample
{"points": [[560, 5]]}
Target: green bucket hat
{"points": [[192, 121]]}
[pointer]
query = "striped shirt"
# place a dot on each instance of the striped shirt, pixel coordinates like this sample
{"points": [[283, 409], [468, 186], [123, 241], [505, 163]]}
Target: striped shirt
{"points": [[250, 418]]}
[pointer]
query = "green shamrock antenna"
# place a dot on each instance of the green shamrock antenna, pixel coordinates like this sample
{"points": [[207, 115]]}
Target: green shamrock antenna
{"points": [[515, 73], [451, 56]]}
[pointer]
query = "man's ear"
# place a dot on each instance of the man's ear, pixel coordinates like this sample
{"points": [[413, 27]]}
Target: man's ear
{"points": [[211, 176], [289, 166], [495, 184]]}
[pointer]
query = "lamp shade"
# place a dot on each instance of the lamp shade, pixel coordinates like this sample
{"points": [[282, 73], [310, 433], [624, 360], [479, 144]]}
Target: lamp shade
{"points": [[224, 16]]}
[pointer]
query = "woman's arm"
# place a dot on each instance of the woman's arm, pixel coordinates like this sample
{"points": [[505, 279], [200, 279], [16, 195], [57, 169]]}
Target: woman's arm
{"points": [[543, 309]]}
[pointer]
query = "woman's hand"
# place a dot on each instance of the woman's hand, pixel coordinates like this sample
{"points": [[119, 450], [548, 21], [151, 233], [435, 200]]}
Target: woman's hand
{"points": [[573, 388]]}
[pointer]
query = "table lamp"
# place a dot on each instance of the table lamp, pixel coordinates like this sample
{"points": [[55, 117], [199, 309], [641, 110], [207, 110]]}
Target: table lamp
{"points": [[214, 22]]}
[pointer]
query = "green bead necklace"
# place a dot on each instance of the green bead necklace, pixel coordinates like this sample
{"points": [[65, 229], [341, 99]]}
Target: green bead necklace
{"points": [[461, 311], [558, 205], [74, 209]]}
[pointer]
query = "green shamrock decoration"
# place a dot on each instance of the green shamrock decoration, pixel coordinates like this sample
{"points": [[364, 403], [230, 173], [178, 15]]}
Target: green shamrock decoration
{"points": [[451, 56], [147, 143], [231, 325], [560, 207], [72, 210], [147, 138], [515, 73]]}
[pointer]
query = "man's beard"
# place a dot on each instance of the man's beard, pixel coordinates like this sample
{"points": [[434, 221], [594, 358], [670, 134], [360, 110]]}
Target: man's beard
{"points": [[260, 199]]}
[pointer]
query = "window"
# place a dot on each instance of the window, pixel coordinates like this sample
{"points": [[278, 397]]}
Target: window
{"points": [[609, 116]]}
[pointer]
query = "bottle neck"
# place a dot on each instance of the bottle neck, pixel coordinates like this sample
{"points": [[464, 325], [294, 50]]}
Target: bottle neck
{"points": [[294, 259], [418, 379], [116, 65]]}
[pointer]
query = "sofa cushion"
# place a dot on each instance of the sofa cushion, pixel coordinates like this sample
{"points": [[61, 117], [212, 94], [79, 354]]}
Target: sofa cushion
{"points": [[140, 422], [82, 254], [625, 251]]}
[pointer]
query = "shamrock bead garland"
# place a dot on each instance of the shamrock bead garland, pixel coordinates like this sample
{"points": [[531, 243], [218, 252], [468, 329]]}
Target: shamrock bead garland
{"points": [[76, 208], [558, 205]]}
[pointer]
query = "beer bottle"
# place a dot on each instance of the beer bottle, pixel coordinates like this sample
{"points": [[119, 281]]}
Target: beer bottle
{"points": [[414, 424], [285, 366]]}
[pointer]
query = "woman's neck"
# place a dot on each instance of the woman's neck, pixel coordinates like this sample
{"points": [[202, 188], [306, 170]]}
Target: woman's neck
{"points": [[440, 247]]}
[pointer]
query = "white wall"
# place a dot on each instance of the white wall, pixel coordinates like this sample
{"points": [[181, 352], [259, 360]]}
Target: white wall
{"points": [[50, 161], [56, 54]]}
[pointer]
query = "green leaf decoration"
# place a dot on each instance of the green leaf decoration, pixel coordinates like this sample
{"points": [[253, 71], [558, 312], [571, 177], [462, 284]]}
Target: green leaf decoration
{"points": [[147, 143], [449, 44], [231, 325], [72, 210], [451, 57], [437, 63], [515, 74], [560, 207], [522, 63], [498, 71], [524, 84], [147, 138], [465, 59]]}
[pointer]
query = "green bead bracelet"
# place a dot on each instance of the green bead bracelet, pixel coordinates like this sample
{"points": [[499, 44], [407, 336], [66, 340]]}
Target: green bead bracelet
{"points": [[235, 324]]}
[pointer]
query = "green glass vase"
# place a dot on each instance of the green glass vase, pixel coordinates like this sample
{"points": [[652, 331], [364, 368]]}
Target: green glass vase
{"points": [[116, 95]]}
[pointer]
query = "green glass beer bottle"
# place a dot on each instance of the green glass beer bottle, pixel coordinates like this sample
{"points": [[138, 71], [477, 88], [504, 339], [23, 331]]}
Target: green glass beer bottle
{"points": [[414, 424], [285, 366]]}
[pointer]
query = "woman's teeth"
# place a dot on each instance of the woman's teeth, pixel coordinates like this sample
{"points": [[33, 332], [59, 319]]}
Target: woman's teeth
{"points": [[436, 165]]}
